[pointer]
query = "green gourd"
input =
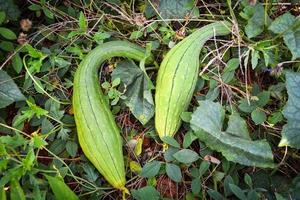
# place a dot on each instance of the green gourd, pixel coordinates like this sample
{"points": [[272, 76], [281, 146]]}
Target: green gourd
{"points": [[98, 133], [177, 77]]}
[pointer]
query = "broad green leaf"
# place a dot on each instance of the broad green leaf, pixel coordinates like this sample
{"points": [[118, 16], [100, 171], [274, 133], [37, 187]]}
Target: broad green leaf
{"points": [[258, 116], [255, 16], [16, 192], [189, 137], [232, 65], [291, 131], [145, 193], [215, 195], [7, 33], [6, 46], [137, 86], [17, 63], [177, 9], [248, 180], [174, 172], [170, 141], [207, 122], [168, 155], [151, 169], [204, 166], [237, 126], [186, 156], [48, 13], [9, 91], [289, 26], [72, 148], [237, 192], [136, 35], [28, 162], [60, 189], [196, 185]]}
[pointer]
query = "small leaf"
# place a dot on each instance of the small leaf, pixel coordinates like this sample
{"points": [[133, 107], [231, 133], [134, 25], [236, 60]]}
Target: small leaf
{"points": [[232, 65], [17, 63], [215, 195], [60, 189], [7, 33], [16, 191], [186, 116], [135, 167], [170, 141], [248, 180], [168, 155], [204, 166], [82, 22], [189, 137], [151, 169], [237, 192], [258, 116], [174, 172], [136, 35], [186, 156], [196, 186], [72, 148], [145, 193], [48, 13], [138, 147], [2, 17]]}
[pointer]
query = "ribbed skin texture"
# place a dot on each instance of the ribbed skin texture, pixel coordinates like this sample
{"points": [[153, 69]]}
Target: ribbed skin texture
{"points": [[177, 77], [98, 134]]}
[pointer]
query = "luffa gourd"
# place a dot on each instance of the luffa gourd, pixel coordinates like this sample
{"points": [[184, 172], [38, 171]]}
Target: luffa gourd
{"points": [[177, 77], [98, 134]]}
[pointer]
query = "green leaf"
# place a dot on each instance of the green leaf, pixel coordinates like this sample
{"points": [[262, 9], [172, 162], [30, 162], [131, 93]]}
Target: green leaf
{"points": [[16, 192], [204, 166], [7, 33], [186, 116], [168, 155], [137, 86], [215, 195], [255, 16], [289, 26], [174, 172], [237, 192], [2, 17], [196, 186], [248, 180], [6, 46], [207, 122], [189, 137], [28, 162], [291, 131], [177, 9], [82, 22], [170, 141], [258, 116], [72, 148], [60, 189], [17, 63], [9, 91], [232, 65], [186, 156], [151, 169], [136, 35], [48, 13], [237, 126], [145, 193]]}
